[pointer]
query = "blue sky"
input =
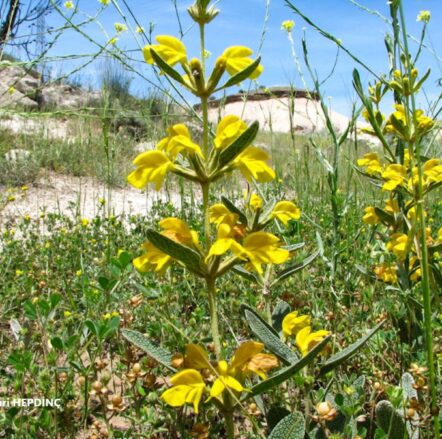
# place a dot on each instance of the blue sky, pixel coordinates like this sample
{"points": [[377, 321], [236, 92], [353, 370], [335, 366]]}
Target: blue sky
{"points": [[242, 22]]}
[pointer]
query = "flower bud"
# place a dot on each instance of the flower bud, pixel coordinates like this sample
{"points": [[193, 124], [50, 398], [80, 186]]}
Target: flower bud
{"points": [[201, 13]]}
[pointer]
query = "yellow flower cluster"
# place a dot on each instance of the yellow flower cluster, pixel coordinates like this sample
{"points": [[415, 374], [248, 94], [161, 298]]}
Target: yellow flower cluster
{"points": [[177, 153], [189, 385], [172, 51]]}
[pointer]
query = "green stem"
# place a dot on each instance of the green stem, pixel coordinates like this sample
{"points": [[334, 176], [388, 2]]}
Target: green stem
{"points": [[426, 292], [203, 48], [228, 415], [213, 309]]}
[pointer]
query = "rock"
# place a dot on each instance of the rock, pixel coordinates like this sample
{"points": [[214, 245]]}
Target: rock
{"points": [[17, 155], [64, 96], [145, 146]]}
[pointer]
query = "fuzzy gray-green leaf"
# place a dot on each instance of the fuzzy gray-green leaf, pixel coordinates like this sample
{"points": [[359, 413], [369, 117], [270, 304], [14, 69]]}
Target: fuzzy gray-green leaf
{"points": [[268, 336], [390, 421], [290, 427], [289, 371], [239, 145], [190, 258], [156, 352], [338, 358]]}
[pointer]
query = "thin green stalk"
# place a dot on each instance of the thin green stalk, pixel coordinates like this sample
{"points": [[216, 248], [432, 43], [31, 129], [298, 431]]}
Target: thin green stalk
{"points": [[213, 309], [426, 292], [228, 416]]}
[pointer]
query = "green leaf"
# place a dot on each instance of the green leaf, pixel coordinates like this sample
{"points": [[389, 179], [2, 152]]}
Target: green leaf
{"points": [[407, 382], [268, 336], [279, 312], [338, 358], [234, 209], [294, 268], [241, 271], [293, 247], [166, 68], [239, 145], [289, 371], [156, 352], [290, 427], [390, 420], [242, 75], [384, 216], [190, 258], [275, 415]]}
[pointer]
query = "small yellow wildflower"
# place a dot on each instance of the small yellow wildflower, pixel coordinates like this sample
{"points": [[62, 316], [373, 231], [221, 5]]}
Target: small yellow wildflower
{"points": [[228, 130], [236, 59], [67, 314], [252, 163], [11, 198], [152, 167], [187, 387], [11, 90], [286, 211], [178, 141], [101, 201], [139, 30], [256, 202], [113, 41], [293, 323], [398, 245], [19, 273], [394, 176], [24, 188], [287, 25], [370, 216], [386, 273], [78, 273], [170, 49], [85, 222], [106, 316], [120, 27], [371, 162], [104, 2], [306, 340], [68, 5], [424, 16]]}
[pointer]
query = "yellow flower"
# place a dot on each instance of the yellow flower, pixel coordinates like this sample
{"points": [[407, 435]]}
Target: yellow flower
{"points": [[228, 130], [394, 176], [439, 235], [397, 123], [292, 323], [170, 49], [104, 2], [432, 171], [11, 90], [113, 41], [392, 206], [371, 162], [424, 16], [236, 59], [370, 216], [84, 222], [152, 167], [139, 29], [177, 230], [263, 248], [287, 25], [224, 380], [152, 260], [196, 357], [178, 140], [67, 314], [307, 340], [256, 202], [187, 387], [252, 164], [424, 123], [18, 273], [415, 265], [386, 273], [398, 245], [24, 188], [225, 242], [249, 358], [218, 214], [120, 27], [286, 211], [68, 5]]}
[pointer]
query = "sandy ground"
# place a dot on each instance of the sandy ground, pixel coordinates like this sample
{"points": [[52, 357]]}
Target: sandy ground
{"points": [[80, 196]]}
